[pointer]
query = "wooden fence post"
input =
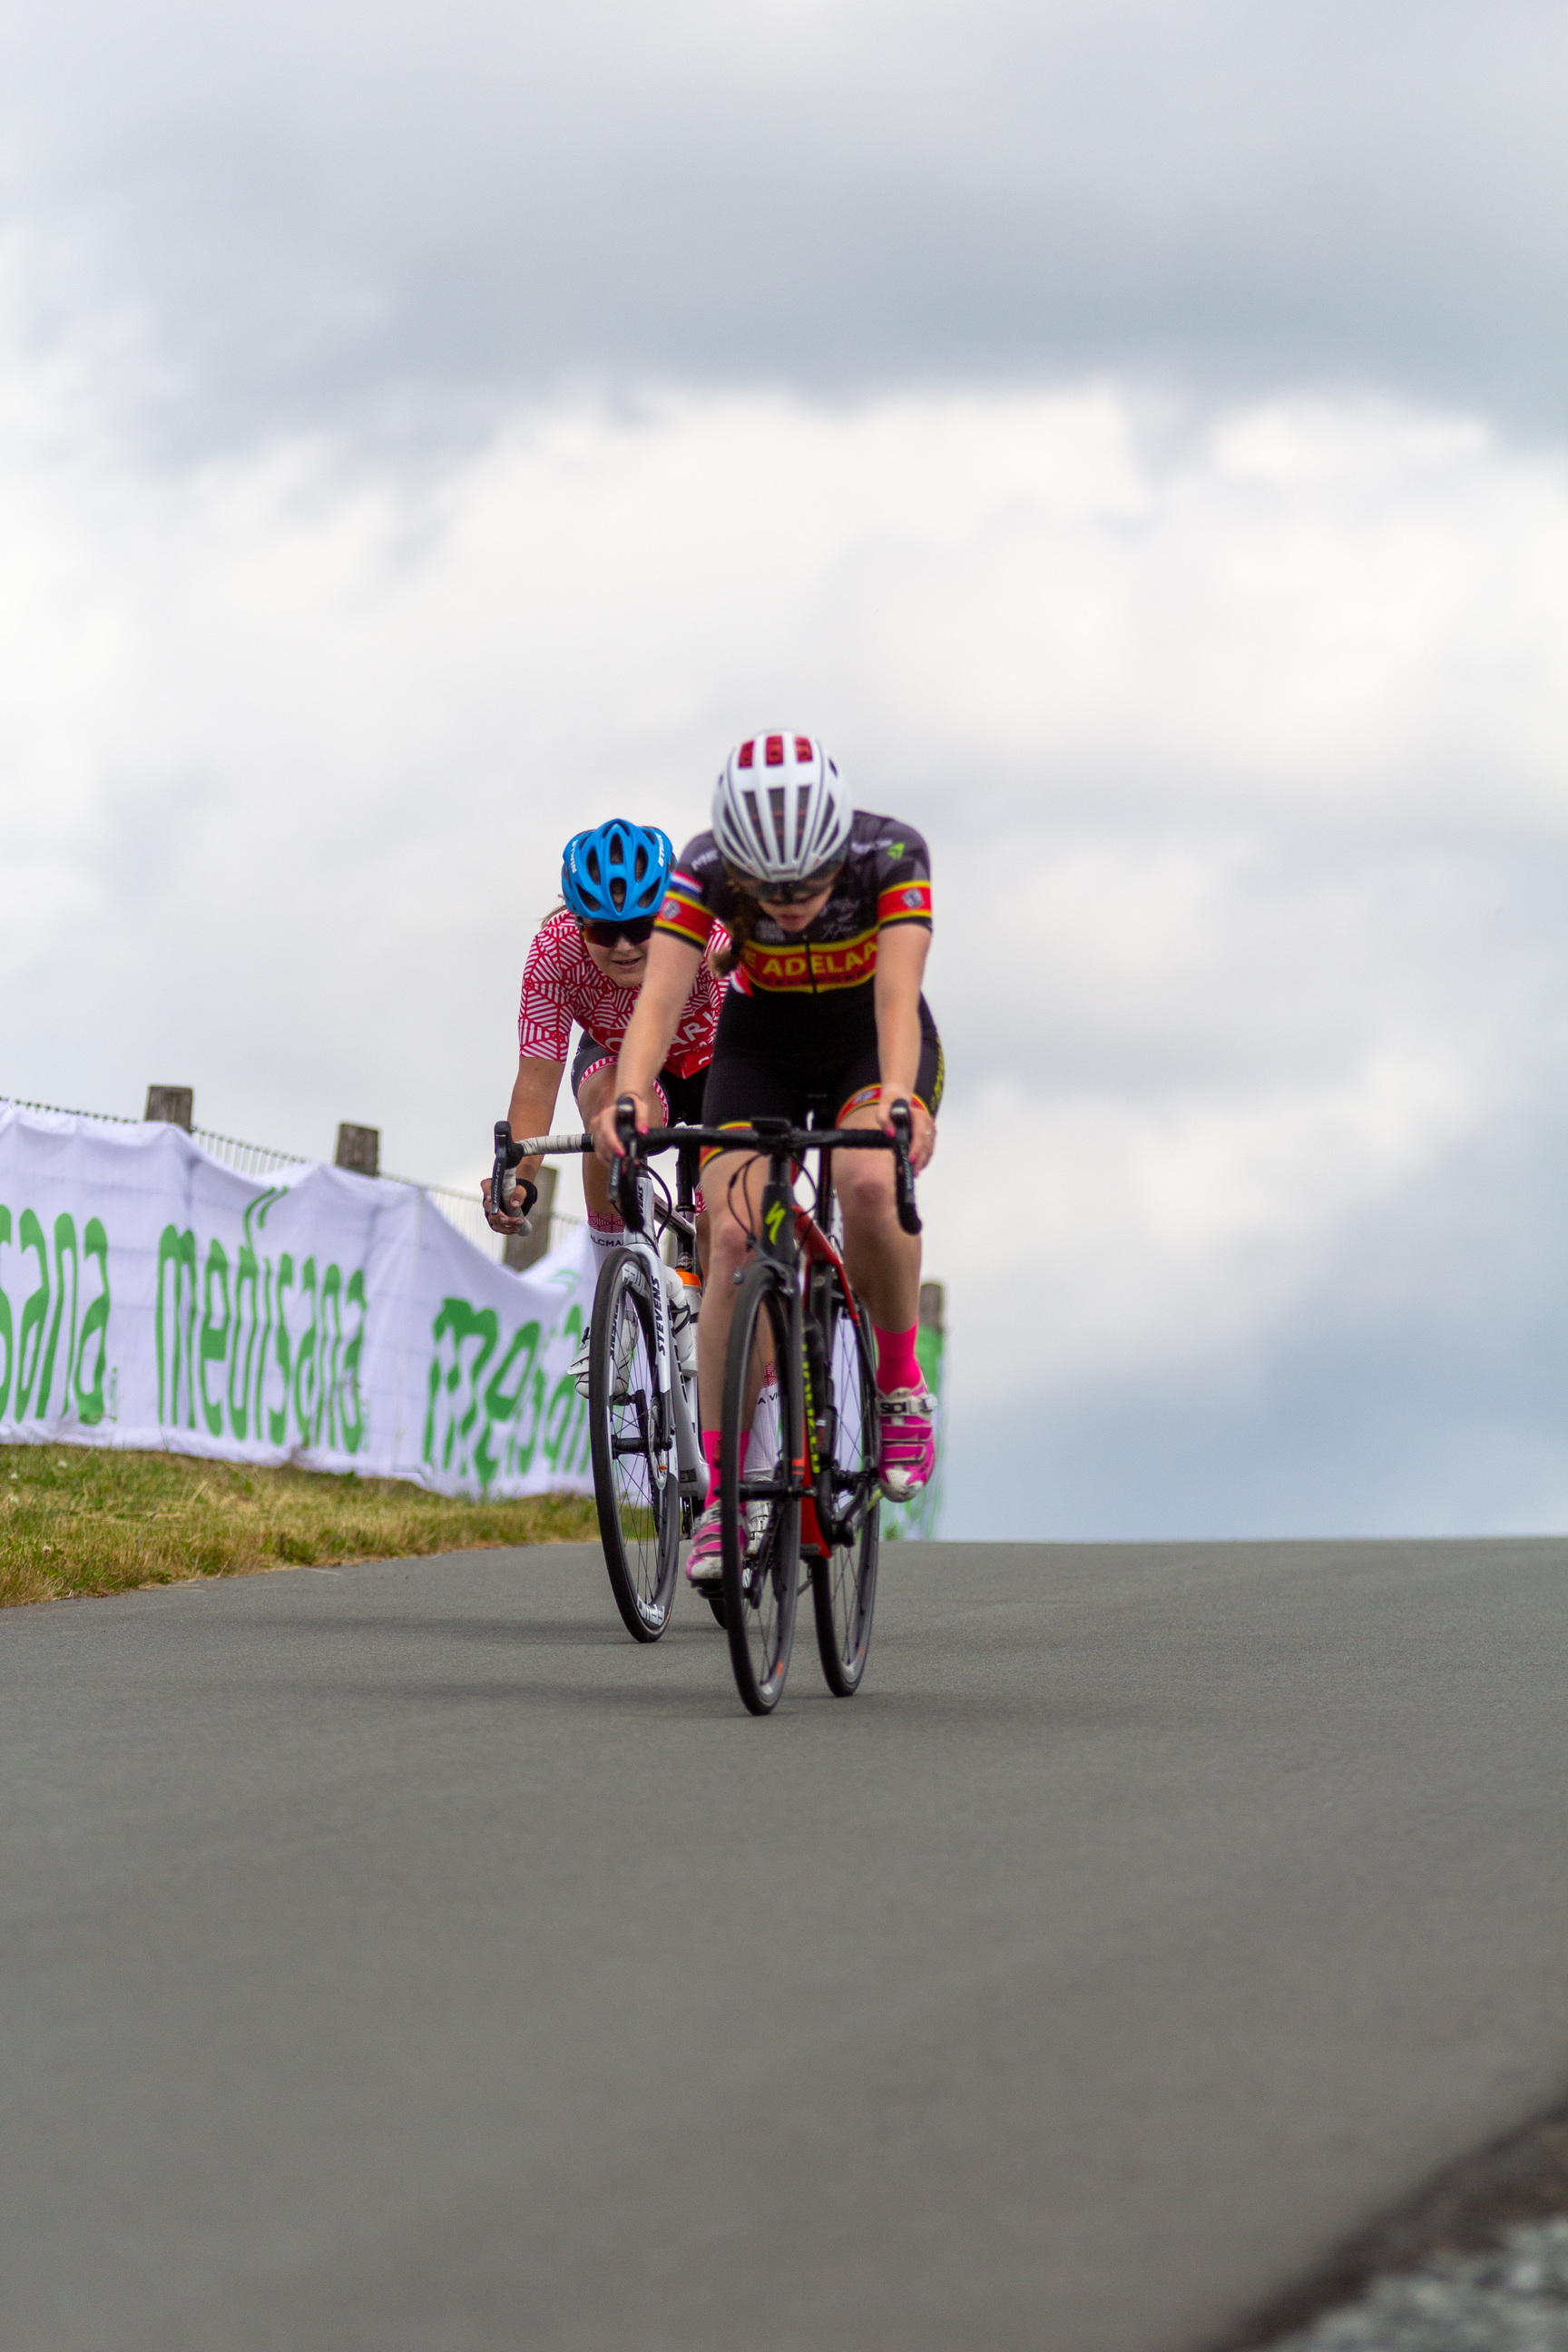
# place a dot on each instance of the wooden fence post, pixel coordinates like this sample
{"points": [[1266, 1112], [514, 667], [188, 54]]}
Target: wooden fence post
{"points": [[175, 1106], [359, 1149], [523, 1250]]}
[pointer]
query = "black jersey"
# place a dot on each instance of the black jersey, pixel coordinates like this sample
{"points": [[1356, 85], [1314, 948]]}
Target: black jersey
{"points": [[886, 880]]}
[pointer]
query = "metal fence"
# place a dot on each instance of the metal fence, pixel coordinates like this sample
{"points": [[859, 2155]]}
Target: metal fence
{"points": [[460, 1209]]}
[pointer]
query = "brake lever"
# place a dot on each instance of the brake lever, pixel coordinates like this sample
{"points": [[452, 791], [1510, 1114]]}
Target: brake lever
{"points": [[624, 1174], [903, 1174], [503, 1184]]}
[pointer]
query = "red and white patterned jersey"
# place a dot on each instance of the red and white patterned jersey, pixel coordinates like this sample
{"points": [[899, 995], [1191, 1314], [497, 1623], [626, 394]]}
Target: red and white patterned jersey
{"points": [[561, 984]]}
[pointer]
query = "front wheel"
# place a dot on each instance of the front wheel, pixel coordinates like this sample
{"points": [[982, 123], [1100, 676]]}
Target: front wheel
{"points": [[760, 1512], [844, 1578], [634, 1476]]}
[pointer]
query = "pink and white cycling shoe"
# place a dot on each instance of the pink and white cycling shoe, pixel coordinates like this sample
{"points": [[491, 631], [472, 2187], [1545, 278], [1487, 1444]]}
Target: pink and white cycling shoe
{"points": [[908, 1454], [705, 1560]]}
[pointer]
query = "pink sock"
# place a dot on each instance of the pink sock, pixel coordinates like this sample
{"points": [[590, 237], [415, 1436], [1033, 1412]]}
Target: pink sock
{"points": [[711, 1455], [897, 1366]]}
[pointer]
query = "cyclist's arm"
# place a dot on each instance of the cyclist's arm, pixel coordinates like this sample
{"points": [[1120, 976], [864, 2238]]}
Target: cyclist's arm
{"points": [[902, 953], [533, 1106], [661, 1000], [533, 1093]]}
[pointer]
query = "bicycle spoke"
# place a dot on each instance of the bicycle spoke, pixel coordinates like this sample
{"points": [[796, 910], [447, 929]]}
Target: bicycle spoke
{"points": [[760, 1511], [633, 1470], [843, 1584]]}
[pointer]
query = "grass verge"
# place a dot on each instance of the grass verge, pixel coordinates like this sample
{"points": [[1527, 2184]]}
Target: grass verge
{"points": [[84, 1519]]}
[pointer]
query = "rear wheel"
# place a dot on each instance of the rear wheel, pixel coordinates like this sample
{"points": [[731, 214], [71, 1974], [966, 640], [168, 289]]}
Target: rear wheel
{"points": [[760, 1513], [634, 1482], [844, 1583]]}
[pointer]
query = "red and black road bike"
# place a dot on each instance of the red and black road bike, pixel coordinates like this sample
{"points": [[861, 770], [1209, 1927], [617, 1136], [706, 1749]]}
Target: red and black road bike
{"points": [[801, 1378]]}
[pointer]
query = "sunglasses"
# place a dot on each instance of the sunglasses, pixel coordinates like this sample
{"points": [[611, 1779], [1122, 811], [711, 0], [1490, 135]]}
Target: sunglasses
{"points": [[605, 935], [783, 894]]}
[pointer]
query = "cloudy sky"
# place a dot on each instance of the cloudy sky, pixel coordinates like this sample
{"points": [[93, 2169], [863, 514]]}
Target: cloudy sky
{"points": [[1136, 438]]}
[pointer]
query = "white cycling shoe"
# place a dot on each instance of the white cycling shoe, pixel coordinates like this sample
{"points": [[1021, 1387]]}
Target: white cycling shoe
{"points": [[577, 1370], [705, 1560]]}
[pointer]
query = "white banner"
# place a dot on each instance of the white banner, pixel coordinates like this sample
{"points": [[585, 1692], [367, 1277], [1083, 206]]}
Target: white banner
{"points": [[151, 1297]]}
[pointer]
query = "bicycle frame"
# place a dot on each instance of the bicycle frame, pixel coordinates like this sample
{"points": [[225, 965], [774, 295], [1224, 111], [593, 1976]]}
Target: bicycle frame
{"points": [[678, 1390], [795, 1241]]}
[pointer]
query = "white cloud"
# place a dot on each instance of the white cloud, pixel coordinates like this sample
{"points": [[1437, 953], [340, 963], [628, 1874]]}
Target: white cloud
{"points": [[1242, 739], [334, 207], [1171, 1234]]}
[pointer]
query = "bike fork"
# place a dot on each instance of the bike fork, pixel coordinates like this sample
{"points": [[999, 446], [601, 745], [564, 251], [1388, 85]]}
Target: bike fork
{"points": [[689, 1454], [692, 1467]]}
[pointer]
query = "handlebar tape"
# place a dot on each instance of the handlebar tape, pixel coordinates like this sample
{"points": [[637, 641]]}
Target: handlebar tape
{"points": [[903, 1174]]}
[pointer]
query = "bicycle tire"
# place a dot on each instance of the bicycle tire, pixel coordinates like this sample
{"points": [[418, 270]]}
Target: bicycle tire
{"points": [[634, 1484], [844, 1581], [762, 1566]]}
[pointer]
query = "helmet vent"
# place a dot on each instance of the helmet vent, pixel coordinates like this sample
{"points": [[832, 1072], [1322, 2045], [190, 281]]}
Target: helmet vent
{"points": [[616, 870], [800, 824]]}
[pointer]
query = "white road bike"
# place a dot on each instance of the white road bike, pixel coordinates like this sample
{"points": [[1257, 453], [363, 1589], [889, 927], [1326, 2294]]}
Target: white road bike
{"points": [[650, 1474]]}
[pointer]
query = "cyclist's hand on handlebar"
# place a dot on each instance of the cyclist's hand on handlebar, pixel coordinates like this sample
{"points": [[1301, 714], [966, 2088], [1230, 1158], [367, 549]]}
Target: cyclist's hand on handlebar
{"points": [[922, 1127], [606, 1143], [500, 1221]]}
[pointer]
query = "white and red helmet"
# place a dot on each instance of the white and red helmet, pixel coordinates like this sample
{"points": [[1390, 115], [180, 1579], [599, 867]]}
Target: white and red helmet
{"points": [[780, 809]]}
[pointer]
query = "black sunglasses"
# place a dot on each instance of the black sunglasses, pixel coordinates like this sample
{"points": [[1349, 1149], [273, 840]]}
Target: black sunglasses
{"points": [[605, 935], [781, 894]]}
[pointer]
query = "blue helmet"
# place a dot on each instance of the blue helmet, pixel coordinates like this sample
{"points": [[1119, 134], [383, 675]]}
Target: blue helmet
{"points": [[616, 872]]}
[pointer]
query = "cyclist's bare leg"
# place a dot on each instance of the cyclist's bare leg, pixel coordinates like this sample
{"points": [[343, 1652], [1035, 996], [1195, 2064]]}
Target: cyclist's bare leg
{"points": [[883, 1260], [883, 1263], [596, 1089]]}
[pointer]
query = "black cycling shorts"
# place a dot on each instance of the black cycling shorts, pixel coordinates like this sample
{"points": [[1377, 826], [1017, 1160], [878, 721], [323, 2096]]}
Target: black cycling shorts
{"points": [[758, 1070], [681, 1097]]}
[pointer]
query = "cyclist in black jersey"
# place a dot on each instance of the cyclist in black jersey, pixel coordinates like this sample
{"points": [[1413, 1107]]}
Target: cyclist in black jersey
{"points": [[828, 908]]}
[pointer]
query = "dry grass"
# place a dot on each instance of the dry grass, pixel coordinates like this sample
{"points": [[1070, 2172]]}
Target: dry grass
{"points": [[80, 1520]]}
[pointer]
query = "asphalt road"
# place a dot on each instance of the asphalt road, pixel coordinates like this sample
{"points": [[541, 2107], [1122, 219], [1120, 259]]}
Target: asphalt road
{"points": [[397, 1959]]}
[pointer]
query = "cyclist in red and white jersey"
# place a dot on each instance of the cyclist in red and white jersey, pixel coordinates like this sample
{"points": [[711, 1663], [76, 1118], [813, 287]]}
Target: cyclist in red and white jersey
{"points": [[585, 967], [829, 912]]}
